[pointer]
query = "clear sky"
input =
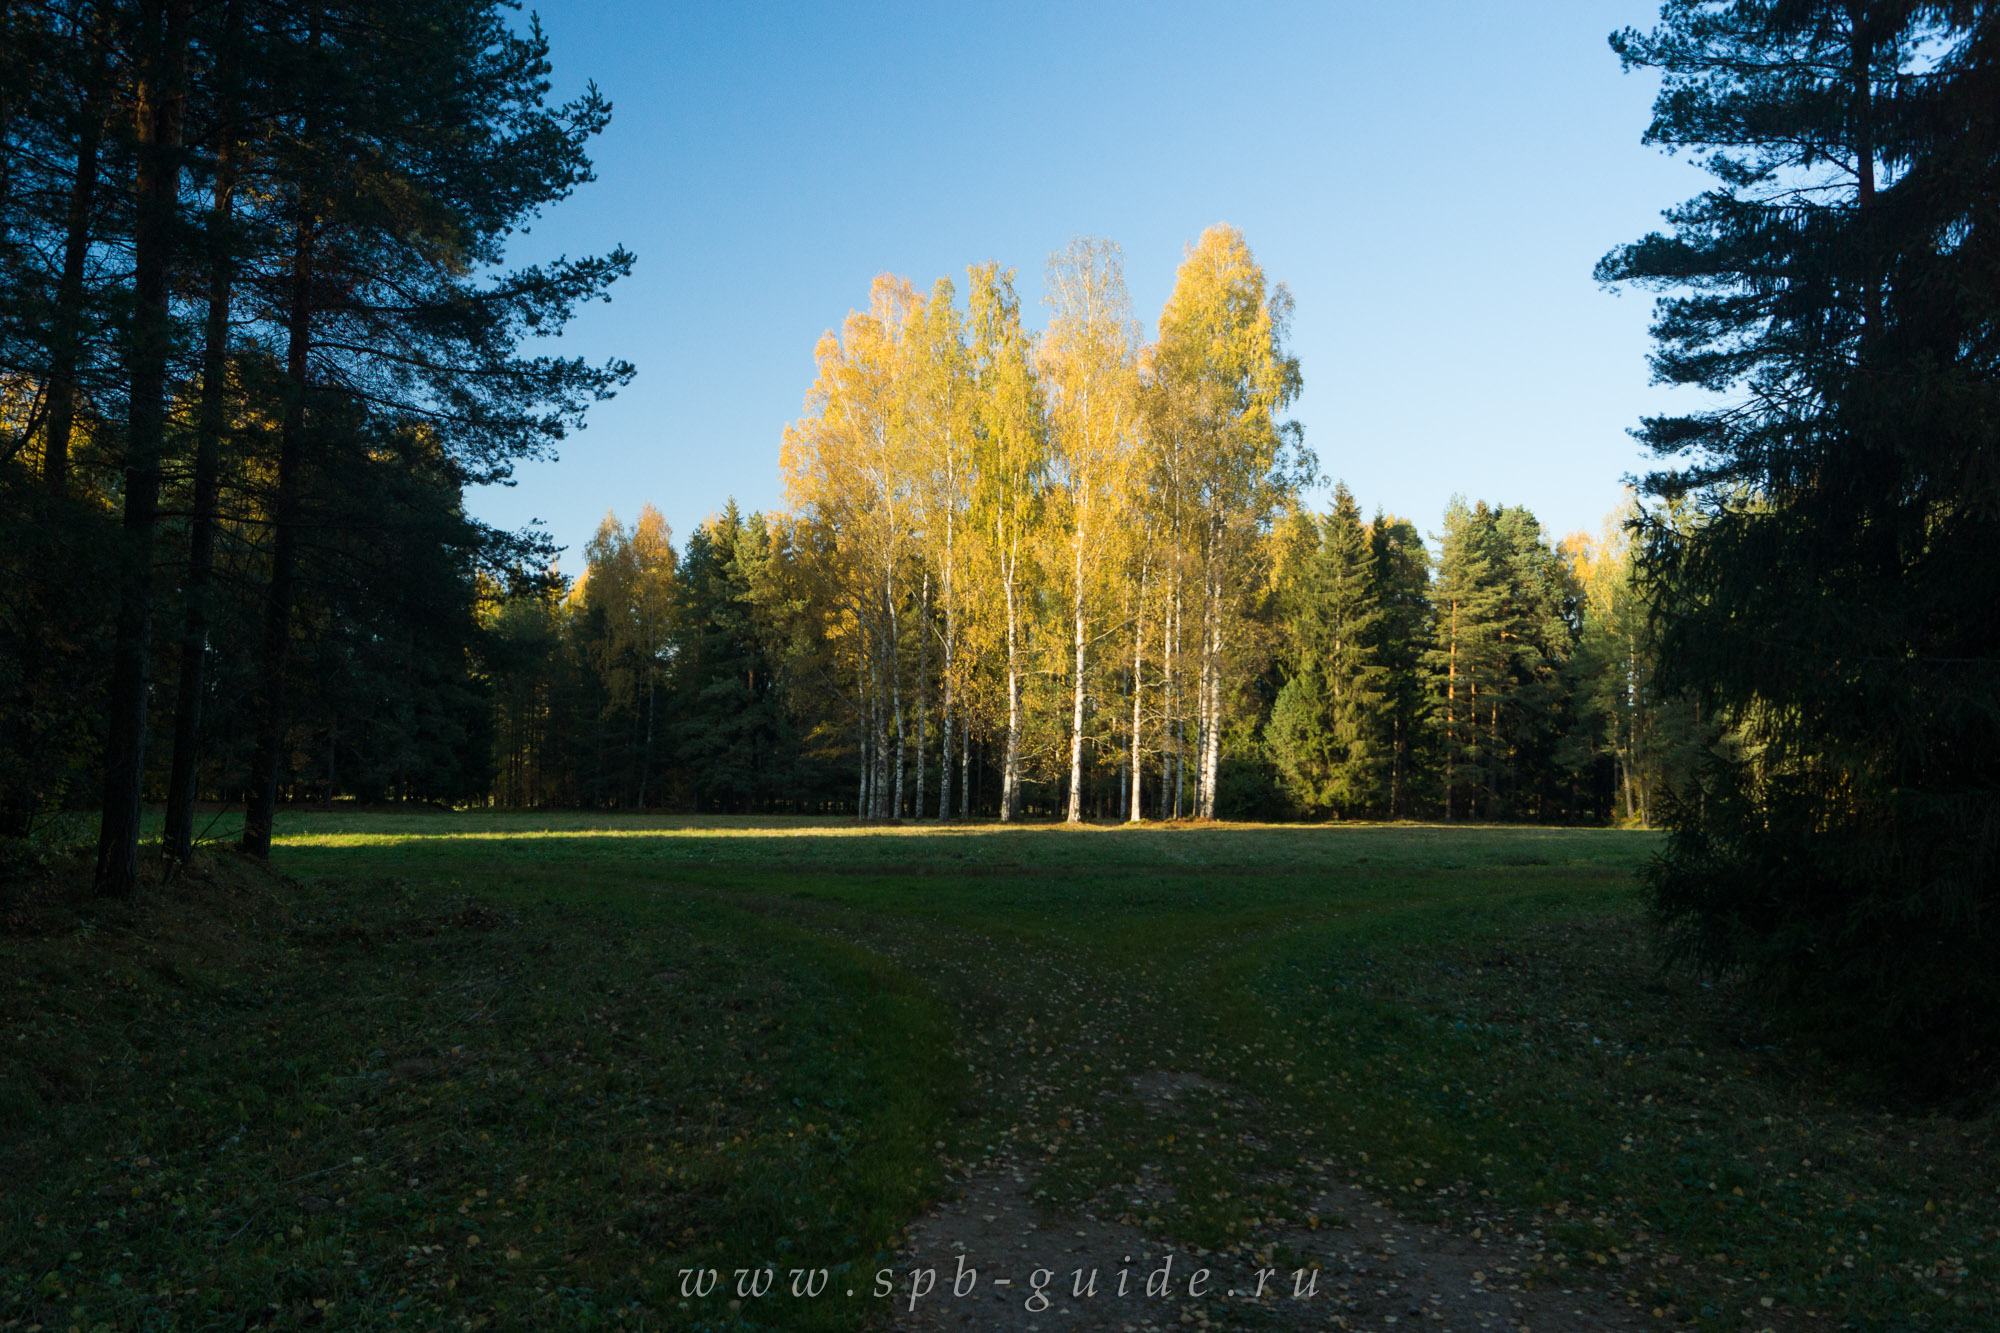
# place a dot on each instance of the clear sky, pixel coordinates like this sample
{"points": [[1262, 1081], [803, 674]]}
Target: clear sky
{"points": [[1432, 178]]}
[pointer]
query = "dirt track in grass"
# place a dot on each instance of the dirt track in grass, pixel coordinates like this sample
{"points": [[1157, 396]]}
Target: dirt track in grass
{"points": [[1002, 1262]]}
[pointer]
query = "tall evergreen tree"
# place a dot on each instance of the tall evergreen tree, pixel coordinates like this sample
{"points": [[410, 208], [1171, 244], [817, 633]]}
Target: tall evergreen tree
{"points": [[1505, 609], [1465, 656], [227, 134], [732, 736], [1403, 598], [419, 141], [1834, 602], [1331, 732], [1531, 710]]}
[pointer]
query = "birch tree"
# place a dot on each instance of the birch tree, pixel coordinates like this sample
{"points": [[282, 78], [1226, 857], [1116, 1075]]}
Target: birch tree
{"points": [[1088, 364], [847, 464], [1011, 453], [939, 401], [1220, 375]]}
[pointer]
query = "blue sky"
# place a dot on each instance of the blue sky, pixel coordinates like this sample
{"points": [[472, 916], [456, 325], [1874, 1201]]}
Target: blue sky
{"points": [[1432, 178]]}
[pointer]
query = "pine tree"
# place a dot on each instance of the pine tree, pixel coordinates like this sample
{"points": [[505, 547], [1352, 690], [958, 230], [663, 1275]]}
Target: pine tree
{"points": [[160, 108], [228, 137], [66, 178], [1834, 601], [250, 292], [403, 165]]}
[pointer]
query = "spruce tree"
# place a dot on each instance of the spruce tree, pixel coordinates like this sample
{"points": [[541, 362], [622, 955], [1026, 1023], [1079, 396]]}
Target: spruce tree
{"points": [[1465, 657], [1532, 706], [731, 732], [1329, 730], [1404, 638]]}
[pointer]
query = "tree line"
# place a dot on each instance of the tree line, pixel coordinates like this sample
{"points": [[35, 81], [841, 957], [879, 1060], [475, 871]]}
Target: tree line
{"points": [[1072, 573], [256, 337]]}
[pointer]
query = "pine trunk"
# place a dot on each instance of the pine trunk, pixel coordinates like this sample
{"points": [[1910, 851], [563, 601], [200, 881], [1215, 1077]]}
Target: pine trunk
{"points": [[184, 773], [160, 105], [260, 807], [1450, 708]]}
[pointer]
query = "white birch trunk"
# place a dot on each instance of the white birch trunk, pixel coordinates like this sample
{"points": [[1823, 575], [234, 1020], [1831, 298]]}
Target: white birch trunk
{"points": [[944, 748], [1201, 700], [1135, 811], [923, 694], [1170, 761], [880, 808], [1211, 761], [1075, 815], [1011, 766], [950, 651], [861, 726], [1201, 733], [896, 694]]}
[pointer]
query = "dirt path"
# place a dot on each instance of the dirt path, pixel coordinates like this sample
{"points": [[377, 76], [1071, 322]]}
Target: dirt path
{"points": [[997, 1261]]}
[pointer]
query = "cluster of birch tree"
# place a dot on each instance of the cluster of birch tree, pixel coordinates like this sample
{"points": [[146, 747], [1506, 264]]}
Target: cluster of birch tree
{"points": [[1074, 524]]}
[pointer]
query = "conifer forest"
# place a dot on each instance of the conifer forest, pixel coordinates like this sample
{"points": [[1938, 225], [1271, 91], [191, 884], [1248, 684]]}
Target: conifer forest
{"points": [[1067, 561]]}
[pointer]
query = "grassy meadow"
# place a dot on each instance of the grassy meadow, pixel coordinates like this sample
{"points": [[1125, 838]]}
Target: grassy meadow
{"points": [[519, 1071]]}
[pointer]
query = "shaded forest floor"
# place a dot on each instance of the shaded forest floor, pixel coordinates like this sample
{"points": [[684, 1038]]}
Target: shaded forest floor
{"points": [[517, 1071]]}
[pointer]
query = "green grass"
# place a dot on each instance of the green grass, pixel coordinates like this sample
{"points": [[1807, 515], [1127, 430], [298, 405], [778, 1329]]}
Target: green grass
{"points": [[609, 1049]]}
